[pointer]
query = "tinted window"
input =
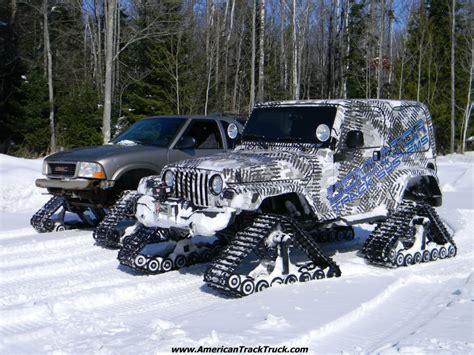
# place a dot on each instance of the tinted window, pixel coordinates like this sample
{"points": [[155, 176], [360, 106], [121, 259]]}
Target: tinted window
{"points": [[280, 123], [206, 133], [158, 131]]}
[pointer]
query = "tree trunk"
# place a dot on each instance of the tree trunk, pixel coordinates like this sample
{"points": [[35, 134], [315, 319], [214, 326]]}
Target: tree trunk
{"points": [[49, 64], [261, 60], [453, 75], [100, 68], [13, 8], [468, 111], [283, 61], [294, 72], [381, 41], [109, 63], [237, 69], [252, 64]]}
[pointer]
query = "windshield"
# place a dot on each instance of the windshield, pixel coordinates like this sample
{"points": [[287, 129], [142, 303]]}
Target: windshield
{"points": [[289, 124], [158, 131]]}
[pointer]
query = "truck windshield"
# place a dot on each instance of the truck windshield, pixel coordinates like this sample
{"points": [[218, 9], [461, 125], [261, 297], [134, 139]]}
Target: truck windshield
{"points": [[288, 124], [158, 131]]}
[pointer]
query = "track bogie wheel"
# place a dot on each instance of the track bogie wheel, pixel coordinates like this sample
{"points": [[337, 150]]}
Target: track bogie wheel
{"points": [[291, 279], [400, 260], [153, 265], [452, 251], [408, 260], [261, 285], [443, 253], [49, 225], [180, 261], [166, 265], [277, 281], [417, 258], [426, 256], [305, 276], [234, 281], [318, 275], [193, 258], [248, 287], [141, 260], [340, 236], [434, 255], [206, 255], [350, 234], [60, 227]]}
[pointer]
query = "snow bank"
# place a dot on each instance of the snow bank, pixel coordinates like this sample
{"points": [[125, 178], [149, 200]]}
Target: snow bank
{"points": [[17, 184]]}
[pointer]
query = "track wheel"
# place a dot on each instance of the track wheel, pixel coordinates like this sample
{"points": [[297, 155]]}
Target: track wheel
{"points": [[305, 276], [408, 260], [180, 261], [277, 281], [234, 281], [153, 265], [193, 258], [340, 236], [291, 279], [248, 287], [49, 224], [60, 227], [399, 260], [443, 253], [452, 251], [417, 258], [332, 236], [350, 234], [206, 255], [318, 275], [426, 256], [434, 255], [166, 265], [261, 285], [141, 260]]}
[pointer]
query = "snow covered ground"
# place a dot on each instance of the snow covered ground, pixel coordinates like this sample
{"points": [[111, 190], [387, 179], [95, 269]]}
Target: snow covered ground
{"points": [[61, 294]]}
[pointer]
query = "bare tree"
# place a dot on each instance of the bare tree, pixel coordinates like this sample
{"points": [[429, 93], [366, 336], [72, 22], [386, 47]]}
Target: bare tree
{"points": [[381, 42], [49, 64], [453, 75], [261, 59], [469, 104], [252, 64], [294, 64], [111, 7], [283, 59]]}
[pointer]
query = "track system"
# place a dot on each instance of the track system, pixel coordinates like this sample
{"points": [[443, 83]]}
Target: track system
{"points": [[278, 234], [411, 235], [157, 250], [106, 233], [42, 221]]}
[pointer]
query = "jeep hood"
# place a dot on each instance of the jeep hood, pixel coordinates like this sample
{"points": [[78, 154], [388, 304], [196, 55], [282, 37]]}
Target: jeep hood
{"points": [[98, 153], [255, 166]]}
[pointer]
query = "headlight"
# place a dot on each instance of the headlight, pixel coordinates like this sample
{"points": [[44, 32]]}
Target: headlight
{"points": [[44, 170], [91, 170], [323, 132], [169, 178], [216, 184]]}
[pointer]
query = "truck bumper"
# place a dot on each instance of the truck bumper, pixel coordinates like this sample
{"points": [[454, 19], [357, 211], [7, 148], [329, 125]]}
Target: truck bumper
{"points": [[77, 184]]}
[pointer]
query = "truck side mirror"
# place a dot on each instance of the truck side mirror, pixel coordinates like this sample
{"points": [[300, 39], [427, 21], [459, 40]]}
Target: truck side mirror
{"points": [[355, 139], [186, 142]]}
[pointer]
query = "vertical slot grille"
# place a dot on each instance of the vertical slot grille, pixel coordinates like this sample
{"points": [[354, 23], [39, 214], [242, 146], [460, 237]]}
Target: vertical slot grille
{"points": [[192, 186]]}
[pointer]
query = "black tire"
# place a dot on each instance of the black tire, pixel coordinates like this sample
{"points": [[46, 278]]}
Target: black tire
{"points": [[180, 261], [153, 265], [248, 287], [291, 279], [318, 275], [193, 258], [340, 236], [166, 265], [206, 255], [349, 235], [276, 281], [261, 285], [305, 276], [49, 225], [234, 281]]}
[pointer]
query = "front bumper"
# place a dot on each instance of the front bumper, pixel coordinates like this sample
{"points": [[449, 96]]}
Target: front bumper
{"points": [[73, 185]]}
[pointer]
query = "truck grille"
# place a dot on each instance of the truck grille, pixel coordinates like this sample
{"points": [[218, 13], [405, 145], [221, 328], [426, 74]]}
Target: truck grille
{"points": [[192, 186], [62, 169]]}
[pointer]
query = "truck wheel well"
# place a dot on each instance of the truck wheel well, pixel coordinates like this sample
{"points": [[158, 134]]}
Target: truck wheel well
{"points": [[130, 179], [423, 189], [291, 204]]}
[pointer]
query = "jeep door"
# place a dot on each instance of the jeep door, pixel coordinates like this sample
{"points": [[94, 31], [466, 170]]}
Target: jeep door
{"points": [[200, 137]]}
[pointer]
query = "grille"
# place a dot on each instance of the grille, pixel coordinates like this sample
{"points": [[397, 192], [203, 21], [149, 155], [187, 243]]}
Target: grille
{"points": [[192, 186], [61, 169]]}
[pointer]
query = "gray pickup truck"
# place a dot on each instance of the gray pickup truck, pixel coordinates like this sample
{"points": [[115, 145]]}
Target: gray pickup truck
{"points": [[84, 181]]}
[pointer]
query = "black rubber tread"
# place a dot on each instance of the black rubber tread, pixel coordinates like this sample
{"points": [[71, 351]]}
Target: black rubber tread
{"points": [[41, 220], [248, 240], [397, 227], [106, 233]]}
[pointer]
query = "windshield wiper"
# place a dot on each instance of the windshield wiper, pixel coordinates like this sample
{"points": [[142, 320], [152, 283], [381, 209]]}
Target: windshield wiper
{"points": [[257, 138], [292, 139]]}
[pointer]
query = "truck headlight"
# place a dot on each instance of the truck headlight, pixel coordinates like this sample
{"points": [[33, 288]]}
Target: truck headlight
{"points": [[216, 184], [44, 170], [91, 170], [169, 178]]}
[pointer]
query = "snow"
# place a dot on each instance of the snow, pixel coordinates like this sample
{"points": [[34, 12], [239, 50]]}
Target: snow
{"points": [[61, 294]]}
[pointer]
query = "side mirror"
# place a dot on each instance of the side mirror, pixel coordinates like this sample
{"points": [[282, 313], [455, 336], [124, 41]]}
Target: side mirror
{"points": [[186, 142], [355, 139]]}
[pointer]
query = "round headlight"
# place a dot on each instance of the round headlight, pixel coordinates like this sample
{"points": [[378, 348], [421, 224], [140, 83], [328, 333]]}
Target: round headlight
{"points": [[169, 178], [232, 131], [216, 184], [323, 132]]}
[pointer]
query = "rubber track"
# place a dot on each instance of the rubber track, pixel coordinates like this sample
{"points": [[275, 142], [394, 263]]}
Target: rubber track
{"points": [[387, 234], [106, 234], [41, 220], [137, 241], [246, 240]]}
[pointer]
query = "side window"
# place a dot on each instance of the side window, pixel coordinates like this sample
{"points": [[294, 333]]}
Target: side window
{"points": [[206, 133], [414, 136], [370, 120]]}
